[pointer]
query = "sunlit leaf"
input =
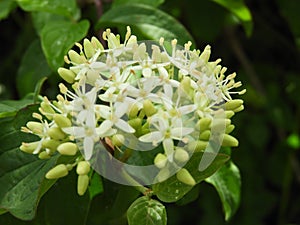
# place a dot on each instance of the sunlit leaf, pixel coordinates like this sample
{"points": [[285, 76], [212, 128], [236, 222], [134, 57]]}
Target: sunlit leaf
{"points": [[58, 37], [153, 3], [240, 10], [146, 211], [10, 107], [152, 23], [5, 7], [227, 182], [67, 8]]}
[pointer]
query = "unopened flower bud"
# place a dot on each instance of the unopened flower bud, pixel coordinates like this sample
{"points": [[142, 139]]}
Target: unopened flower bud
{"points": [[136, 123], [67, 148], [133, 111], [89, 50], [229, 114], [181, 155], [204, 124], [197, 145], [149, 108], [35, 127], [62, 121], [82, 184], [229, 128], [160, 160], [58, 171], [51, 144], [29, 147], [241, 108], [205, 135], [44, 155], [83, 168], [96, 43], [185, 177], [220, 124], [205, 54], [75, 57], [118, 140], [163, 175], [229, 141], [46, 107], [67, 75], [56, 133], [233, 104]]}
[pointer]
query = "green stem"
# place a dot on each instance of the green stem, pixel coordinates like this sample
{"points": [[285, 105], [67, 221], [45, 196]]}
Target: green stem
{"points": [[136, 184]]}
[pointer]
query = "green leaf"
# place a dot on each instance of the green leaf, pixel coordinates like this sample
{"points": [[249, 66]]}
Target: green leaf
{"points": [[40, 19], [6, 6], [10, 107], [227, 182], [146, 211], [171, 190], [66, 8], [58, 37], [150, 22], [240, 10], [62, 204], [33, 67], [153, 3], [21, 175], [96, 186]]}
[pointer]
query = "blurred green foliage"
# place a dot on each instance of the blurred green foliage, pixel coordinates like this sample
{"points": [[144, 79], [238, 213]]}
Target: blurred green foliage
{"points": [[265, 54]]}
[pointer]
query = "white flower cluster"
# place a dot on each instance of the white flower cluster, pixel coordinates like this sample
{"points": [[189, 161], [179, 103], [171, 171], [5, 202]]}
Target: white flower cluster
{"points": [[158, 92]]}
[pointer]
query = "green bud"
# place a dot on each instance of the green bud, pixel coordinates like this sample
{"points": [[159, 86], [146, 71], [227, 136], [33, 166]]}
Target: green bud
{"points": [[134, 110], [229, 141], [35, 127], [82, 184], [220, 124], [229, 129], [136, 123], [96, 43], [89, 50], [197, 145], [205, 135], [241, 108], [186, 85], [56, 133], [185, 177], [44, 155], [204, 124], [58, 171], [149, 108], [75, 57], [229, 114], [181, 155], [29, 147], [233, 104], [67, 148], [46, 108], [160, 160], [205, 54], [62, 121], [51, 144], [163, 175], [118, 140], [67, 75], [83, 168]]}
